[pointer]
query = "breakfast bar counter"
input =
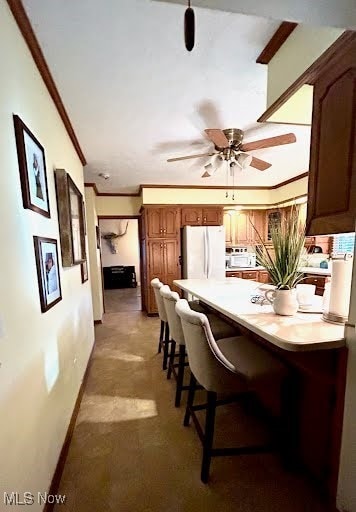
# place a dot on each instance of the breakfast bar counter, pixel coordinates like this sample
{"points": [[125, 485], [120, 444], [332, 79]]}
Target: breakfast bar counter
{"points": [[231, 297], [315, 354]]}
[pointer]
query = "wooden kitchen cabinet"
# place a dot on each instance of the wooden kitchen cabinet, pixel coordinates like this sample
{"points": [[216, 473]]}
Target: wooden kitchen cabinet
{"points": [[263, 277], [196, 216], [243, 228], [318, 281], [258, 219], [163, 262], [332, 174], [162, 222], [212, 216], [192, 216], [252, 275], [228, 225], [233, 273]]}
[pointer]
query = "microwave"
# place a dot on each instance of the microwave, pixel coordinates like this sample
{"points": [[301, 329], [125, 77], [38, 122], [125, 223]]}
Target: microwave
{"points": [[244, 259]]}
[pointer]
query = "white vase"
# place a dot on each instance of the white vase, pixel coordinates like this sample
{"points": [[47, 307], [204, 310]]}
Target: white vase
{"points": [[284, 302]]}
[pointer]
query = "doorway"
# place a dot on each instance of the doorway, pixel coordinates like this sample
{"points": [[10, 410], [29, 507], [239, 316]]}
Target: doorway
{"points": [[120, 259]]}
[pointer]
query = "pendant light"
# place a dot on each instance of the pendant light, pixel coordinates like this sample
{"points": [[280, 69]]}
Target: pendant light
{"points": [[189, 28]]}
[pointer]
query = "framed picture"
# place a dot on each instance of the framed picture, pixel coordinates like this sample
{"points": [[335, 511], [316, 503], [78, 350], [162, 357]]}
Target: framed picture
{"points": [[32, 167], [98, 237], [84, 271], [49, 285], [71, 219]]}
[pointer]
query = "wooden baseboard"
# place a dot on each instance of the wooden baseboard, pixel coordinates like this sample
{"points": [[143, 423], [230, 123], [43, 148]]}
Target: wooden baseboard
{"points": [[98, 322], [64, 451]]}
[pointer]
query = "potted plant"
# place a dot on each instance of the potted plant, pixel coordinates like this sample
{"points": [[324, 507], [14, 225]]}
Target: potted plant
{"points": [[282, 261]]}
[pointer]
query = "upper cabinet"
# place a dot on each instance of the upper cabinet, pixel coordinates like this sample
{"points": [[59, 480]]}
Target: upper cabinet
{"points": [[240, 227], [162, 222], [204, 216], [332, 175], [212, 216]]}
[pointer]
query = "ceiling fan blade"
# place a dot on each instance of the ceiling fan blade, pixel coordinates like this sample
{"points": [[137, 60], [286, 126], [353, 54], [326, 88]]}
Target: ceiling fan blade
{"points": [[190, 156], [218, 137], [261, 165], [279, 140]]}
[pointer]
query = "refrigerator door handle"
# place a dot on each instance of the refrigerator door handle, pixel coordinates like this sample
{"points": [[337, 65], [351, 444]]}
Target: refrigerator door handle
{"points": [[208, 274], [205, 254]]}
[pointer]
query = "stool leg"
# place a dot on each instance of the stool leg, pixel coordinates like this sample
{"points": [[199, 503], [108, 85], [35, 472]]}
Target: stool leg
{"points": [[166, 346], [160, 337], [190, 400], [208, 436], [171, 359], [180, 376]]}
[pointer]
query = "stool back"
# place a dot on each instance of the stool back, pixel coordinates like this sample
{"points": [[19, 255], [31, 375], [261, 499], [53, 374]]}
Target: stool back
{"points": [[170, 299], [157, 285], [206, 360]]}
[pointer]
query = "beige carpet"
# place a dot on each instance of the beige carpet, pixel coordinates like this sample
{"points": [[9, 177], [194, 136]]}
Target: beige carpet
{"points": [[130, 452]]}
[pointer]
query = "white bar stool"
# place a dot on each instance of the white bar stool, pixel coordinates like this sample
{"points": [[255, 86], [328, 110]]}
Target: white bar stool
{"points": [[231, 366]]}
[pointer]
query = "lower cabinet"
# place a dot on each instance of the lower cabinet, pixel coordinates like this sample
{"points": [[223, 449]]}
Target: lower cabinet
{"points": [[261, 276], [318, 281]]}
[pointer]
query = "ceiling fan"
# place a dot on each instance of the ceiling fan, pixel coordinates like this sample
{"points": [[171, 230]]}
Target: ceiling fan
{"points": [[229, 147]]}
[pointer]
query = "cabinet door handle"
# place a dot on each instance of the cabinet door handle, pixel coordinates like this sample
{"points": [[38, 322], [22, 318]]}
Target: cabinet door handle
{"points": [[161, 230], [204, 219], [161, 245], [198, 219], [164, 231]]}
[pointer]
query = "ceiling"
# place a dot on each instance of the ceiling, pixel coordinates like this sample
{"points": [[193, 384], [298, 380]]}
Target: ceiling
{"points": [[136, 97]]}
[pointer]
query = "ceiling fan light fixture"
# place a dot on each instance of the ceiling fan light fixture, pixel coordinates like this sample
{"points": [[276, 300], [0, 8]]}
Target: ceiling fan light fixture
{"points": [[244, 160], [209, 170]]}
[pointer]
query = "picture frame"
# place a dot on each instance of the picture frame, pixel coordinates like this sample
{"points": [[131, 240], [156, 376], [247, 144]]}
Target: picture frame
{"points": [[47, 264], [70, 207], [84, 271], [32, 168], [98, 237]]}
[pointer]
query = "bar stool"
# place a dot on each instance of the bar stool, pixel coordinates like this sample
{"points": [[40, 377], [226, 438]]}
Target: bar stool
{"points": [[220, 329], [163, 341], [232, 367]]}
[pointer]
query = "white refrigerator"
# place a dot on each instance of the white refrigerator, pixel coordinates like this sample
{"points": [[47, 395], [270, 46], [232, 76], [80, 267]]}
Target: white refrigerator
{"points": [[203, 252]]}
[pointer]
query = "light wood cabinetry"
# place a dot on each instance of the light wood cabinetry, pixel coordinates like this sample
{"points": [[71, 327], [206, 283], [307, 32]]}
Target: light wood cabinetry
{"points": [[228, 225], [318, 281], [258, 219], [163, 262], [162, 222], [239, 228], [332, 175], [212, 216], [261, 276], [196, 216], [192, 216]]}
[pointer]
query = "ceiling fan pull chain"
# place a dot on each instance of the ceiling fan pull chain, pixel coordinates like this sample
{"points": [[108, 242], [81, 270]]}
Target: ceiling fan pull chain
{"points": [[233, 181], [189, 28], [227, 180]]}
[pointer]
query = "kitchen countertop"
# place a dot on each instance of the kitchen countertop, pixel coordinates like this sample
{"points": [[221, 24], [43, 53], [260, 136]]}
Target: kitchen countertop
{"points": [[306, 270], [316, 271], [240, 269], [231, 297]]}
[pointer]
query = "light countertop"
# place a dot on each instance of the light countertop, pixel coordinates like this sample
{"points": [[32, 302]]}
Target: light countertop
{"points": [[317, 271], [231, 297], [240, 269]]}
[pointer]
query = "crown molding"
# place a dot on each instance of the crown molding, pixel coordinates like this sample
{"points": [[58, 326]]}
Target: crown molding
{"points": [[24, 24]]}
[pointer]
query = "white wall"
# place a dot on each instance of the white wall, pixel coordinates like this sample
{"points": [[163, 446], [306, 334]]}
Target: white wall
{"points": [[94, 255], [118, 205], [128, 245], [43, 356]]}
